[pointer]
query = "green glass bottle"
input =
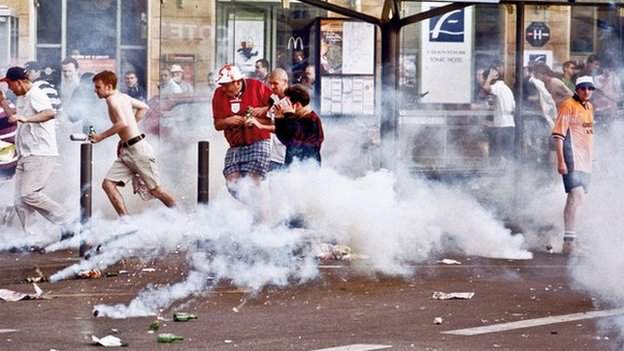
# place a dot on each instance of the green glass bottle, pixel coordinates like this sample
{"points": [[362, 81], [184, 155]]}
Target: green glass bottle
{"points": [[167, 338], [183, 317]]}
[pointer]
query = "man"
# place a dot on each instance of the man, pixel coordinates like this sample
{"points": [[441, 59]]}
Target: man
{"points": [[501, 132], [70, 79], [297, 126], [262, 70], [250, 148], [177, 75], [592, 67], [37, 151], [133, 88], [573, 136], [555, 87], [34, 70], [167, 86], [569, 71], [308, 78], [135, 155]]}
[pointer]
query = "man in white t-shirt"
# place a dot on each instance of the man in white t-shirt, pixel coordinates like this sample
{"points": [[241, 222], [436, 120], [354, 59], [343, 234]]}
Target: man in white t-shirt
{"points": [[35, 142], [502, 128]]}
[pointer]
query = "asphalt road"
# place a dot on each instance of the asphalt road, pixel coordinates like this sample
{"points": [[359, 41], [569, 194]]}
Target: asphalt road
{"points": [[342, 309]]}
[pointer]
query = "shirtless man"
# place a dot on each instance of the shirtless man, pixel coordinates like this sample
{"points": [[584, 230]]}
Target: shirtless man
{"points": [[134, 155]]}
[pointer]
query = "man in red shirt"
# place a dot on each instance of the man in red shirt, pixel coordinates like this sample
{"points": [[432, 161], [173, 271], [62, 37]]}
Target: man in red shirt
{"points": [[250, 146]]}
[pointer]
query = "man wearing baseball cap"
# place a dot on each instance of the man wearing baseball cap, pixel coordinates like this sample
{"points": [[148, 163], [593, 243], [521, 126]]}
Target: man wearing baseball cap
{"points": [[177, 75], [573, 136], [36, 148], [250, 147]]}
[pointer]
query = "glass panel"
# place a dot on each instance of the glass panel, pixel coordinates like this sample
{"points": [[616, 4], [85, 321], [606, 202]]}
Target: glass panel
{"points": [[582, 30], [48, 22], [51, 57], [133, 22], [91, 28]]}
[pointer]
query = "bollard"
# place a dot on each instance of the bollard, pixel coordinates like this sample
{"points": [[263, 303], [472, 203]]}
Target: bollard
{"points": [[86, 174], [203, 170]]}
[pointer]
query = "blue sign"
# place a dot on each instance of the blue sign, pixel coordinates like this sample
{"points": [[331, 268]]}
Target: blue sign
{"points": [[448, 28]]}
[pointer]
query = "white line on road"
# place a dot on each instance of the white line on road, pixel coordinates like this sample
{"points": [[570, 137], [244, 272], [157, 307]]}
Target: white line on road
{"points": [[357, 347], [4, 331], [495, 328]]}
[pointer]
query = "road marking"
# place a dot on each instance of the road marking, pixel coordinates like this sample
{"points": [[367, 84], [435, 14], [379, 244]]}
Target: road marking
{"points": [[357, 347], [4, 331], [495, 328]]}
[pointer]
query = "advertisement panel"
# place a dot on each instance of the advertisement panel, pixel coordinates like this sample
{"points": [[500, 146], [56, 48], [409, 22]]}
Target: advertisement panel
{"points": [[446, 64]]}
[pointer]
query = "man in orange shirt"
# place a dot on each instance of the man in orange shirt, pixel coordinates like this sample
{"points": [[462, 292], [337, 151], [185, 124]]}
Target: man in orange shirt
{"points": [[573, 135]]}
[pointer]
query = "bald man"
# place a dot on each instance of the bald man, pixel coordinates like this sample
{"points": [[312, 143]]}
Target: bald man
{"points": [[278, 82]]}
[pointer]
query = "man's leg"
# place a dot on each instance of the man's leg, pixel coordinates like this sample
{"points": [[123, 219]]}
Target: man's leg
{"points": [[163, 196], [32, 175], [573, 202], [110, 188], [231, 181]]}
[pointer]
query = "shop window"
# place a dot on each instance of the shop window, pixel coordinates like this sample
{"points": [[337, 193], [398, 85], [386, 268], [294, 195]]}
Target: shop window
{"points": [[48, 22], [582, 29], [91, 27], [133, 22]]}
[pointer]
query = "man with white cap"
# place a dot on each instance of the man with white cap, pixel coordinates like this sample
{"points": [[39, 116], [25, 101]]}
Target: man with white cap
{"points": [[37, 151], [177, 74], [573, 136], [250, 147]]}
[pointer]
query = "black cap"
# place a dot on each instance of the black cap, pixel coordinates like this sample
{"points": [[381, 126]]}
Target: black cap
{"points": [[14, 74]]}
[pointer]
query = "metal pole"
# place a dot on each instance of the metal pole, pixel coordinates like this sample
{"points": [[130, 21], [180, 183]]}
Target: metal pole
{"points": [[203, 172], [390, 41], [519, 120], [86, 175]]}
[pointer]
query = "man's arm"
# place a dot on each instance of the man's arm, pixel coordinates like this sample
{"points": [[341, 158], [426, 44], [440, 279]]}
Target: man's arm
{"points": [[562, 168], [40, 117], [140, 107], [4, 103], [118, 123], [234, 121]]}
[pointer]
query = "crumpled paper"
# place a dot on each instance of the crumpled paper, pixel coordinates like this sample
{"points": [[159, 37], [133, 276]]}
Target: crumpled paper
{"points": [[108, 341], [439, 295], [13, 296]]}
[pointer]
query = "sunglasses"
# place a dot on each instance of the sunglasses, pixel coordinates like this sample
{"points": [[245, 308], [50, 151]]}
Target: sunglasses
{"points": [[586, 88]]}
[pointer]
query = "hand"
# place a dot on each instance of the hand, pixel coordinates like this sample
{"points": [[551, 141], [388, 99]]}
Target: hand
{"points": [[253, 122], [2, 96], [283, 108], [258, 111], [95, 138], [17, 118], [562, 168], [238, 120]]}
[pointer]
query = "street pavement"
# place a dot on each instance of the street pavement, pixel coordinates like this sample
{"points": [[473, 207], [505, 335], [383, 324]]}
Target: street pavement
{"points": [[346, 308]]}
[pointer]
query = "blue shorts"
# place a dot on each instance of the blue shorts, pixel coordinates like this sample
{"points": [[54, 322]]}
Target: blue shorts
{"points": [[575, 179]]}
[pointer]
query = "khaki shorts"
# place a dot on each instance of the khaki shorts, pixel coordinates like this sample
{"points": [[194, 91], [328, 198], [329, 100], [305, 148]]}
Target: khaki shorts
{"points": [[136, 159]]}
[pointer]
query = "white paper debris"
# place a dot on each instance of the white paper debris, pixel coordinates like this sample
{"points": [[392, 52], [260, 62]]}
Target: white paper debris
{"points": [[107, 341], [448, 261], [13, 296], [439, 295], [437, 320]]}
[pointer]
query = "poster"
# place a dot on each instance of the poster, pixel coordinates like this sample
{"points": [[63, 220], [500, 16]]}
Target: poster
{"points": [[532, 57], [246, 40], [349, 95], [95, 64], [358, 45], [331, 47], [446, 62]]}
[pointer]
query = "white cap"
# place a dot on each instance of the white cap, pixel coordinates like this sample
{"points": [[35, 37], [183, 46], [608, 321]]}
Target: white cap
{"points": [[585, 81], [228, 74], [176, 68]]}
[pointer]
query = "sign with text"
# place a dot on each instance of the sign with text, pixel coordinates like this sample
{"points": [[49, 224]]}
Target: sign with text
{"points": [[537, 34], [446, 62]]}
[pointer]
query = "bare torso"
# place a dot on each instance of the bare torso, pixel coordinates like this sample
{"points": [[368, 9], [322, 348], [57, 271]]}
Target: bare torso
{"points": [[120, 107]]}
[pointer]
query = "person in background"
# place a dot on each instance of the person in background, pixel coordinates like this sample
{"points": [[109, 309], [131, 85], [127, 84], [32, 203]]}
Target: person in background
{"points": [[167, 86], [573, 137], [308, 77], [501, 132], [34, 71], [69, 80], [177, 75], [555, 86], [262, 71], [37, 151], [297, 126], [133, 88], [568, 73]]}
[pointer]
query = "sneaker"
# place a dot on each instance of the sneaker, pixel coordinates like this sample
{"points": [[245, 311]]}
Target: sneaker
{"points": [[69, 230]]}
